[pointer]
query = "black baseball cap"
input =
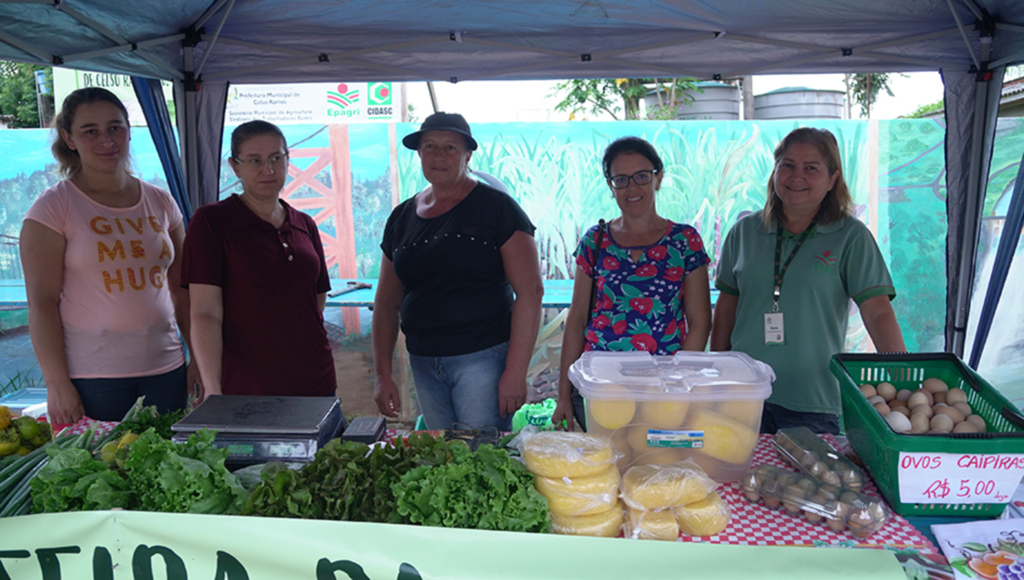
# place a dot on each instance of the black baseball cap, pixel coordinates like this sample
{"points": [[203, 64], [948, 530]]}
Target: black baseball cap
{"points": [[441, 121]]}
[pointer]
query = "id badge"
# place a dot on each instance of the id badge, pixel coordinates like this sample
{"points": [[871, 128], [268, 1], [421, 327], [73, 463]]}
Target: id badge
{"points": [[774, 329]]}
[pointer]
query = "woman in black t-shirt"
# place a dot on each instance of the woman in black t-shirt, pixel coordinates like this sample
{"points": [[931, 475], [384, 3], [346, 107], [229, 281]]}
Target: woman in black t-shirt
{"points": [[461, 275]]}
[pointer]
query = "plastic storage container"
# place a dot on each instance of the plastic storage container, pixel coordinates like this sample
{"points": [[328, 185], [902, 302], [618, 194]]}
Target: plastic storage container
{"points": [[663, 409], [879, 446]]}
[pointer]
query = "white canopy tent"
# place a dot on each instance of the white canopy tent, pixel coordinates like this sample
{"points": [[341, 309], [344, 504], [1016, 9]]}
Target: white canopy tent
{"points": [[202, 45]]}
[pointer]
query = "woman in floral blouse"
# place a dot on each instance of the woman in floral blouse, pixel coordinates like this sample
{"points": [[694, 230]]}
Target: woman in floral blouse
{"points": [[649, 275]]}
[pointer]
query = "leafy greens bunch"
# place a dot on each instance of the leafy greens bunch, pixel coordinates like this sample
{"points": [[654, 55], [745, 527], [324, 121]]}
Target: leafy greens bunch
{"points": [[158, 475], [485, 489]]}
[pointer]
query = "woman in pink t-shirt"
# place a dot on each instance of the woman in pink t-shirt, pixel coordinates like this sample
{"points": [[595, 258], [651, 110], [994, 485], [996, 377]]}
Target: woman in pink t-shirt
{"points": [[101, 253]]}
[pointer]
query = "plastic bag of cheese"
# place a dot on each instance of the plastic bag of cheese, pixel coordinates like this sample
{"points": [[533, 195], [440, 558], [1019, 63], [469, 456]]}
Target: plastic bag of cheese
{"points": [[580, 496], [645, 525], [558, 454], [706, 517], [606, 524], [658, 487]]}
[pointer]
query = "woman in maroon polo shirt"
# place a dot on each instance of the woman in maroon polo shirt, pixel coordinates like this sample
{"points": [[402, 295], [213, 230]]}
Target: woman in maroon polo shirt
{"points": [[257, 279]]}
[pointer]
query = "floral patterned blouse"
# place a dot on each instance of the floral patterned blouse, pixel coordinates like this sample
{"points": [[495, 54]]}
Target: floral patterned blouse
{"points": [[639, 305]]}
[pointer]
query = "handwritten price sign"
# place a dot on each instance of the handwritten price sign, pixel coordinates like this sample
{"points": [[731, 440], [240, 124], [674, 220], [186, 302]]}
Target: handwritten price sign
{"points": [[959, 478]]}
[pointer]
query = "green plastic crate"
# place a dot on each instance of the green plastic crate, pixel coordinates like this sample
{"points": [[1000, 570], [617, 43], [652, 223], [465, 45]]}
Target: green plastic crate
{"points": [[879, 446]]}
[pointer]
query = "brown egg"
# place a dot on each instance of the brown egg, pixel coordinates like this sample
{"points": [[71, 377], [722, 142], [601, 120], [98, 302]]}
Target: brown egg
{"points": [[902, 410], [928, 394], [919, 423], [886, 391], [882, 409], [979, 422], [965, 427], [963, 408], [940, 398], [874, 400], [897, 403], [918, 398], [935, 385], [925, 410], [904, 394], [831, 477], [868, 390], [955, 396], [942, 422], [952, 412]]}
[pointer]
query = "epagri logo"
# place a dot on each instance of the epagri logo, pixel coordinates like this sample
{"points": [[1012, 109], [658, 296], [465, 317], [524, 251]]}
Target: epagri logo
{"points": [[379, 97], [340, 103]]}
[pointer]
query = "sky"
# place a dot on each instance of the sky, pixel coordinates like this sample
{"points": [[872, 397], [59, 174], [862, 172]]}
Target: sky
{"points": [[509, 101]]}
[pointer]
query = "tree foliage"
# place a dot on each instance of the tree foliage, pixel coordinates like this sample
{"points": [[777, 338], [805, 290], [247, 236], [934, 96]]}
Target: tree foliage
{"points": [[924, 110], [865, 88], [18, 92], [623, 96]]}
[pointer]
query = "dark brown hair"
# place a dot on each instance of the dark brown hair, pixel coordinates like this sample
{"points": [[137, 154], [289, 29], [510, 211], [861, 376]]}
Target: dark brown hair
{"points": [[837, 204], [246, 131], [68, 159], [630, 145]]}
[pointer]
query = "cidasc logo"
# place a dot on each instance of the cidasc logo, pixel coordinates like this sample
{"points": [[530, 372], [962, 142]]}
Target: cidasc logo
{"points": [[339, 103], [826, 261], [379, 98]]}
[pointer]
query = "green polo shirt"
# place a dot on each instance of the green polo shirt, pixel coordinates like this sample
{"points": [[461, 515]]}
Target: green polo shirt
{"points": [[838, 262]]}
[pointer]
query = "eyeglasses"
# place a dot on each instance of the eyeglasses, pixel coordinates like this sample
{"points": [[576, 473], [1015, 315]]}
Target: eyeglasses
{"points": [[256, 164], [640, 178]]}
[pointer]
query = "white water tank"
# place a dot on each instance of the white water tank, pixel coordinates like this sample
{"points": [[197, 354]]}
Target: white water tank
{"points": [[799, 103], [718, 102]]}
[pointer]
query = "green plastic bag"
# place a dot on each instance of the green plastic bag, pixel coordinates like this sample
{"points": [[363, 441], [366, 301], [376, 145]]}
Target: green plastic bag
{"points": [[537, 414]]}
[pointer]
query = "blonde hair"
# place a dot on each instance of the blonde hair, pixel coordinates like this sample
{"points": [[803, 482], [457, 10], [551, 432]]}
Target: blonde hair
{"points": [[68, 159], [838, 202]]}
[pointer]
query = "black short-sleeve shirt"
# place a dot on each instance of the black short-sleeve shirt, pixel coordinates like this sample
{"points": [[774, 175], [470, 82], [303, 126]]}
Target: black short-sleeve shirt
{"points": [[457, 298]]}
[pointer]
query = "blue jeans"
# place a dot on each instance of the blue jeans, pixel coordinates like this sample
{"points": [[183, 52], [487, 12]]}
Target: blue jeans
{"points": [[461, 389], [110, 399], [776, 417]]}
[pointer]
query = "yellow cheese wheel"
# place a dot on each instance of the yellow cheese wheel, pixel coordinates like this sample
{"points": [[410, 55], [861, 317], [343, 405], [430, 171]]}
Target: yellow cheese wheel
{"points": [[706, 517], [636, 437], [746, 411], [724, 438], [603, 525], [581, 496], [567, 454], [610, 411], [663, 414], [645, 525], [656, 487]]}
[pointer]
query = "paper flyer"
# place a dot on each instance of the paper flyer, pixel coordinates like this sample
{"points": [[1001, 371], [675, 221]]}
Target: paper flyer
{"points": [[986, 550]]}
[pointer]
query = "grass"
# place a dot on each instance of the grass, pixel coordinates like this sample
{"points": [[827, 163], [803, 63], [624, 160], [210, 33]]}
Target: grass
{"points": [[20, 380]]}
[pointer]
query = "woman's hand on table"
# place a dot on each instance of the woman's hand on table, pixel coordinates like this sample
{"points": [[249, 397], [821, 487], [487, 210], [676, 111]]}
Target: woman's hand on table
{"points": [[385, 393], [64, 405], [511, 394], [563, 413]]}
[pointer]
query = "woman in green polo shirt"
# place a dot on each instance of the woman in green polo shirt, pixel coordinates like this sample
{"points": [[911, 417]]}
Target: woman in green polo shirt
{"points": [[786, 277]]}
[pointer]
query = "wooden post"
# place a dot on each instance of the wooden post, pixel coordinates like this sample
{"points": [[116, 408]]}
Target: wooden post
{"points": [[341, 185]]}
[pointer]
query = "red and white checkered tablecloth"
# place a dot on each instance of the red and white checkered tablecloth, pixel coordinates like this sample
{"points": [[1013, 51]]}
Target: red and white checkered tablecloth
{"points": [[84, 423], [755, 525]]}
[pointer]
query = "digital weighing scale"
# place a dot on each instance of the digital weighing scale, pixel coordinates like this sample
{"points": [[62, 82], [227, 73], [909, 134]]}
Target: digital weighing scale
{"points": [[257, 429]]}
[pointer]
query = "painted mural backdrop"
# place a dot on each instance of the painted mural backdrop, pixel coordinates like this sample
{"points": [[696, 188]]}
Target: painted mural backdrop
{"points": [[715, 172]]}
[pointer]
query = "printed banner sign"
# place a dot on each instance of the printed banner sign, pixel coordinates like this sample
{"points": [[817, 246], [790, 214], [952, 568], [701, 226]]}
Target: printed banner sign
{"points": [[313, 103], [948, 478], [123, 545], [67, 80]]}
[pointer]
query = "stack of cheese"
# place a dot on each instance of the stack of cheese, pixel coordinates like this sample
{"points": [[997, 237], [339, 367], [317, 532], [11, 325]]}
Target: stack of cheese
{"points": [[664, 500], [576, 472]]}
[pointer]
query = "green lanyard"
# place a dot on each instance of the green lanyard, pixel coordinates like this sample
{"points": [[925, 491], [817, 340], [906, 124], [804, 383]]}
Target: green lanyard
{"points": [[779, 273]]}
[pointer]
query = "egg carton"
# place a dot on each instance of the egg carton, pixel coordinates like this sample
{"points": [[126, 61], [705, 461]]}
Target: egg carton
{"points": [[837, 507], [804, 450]]}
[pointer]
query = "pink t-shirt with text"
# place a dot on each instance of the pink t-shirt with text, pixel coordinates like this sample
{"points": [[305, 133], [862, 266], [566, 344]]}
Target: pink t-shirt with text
{"points": [[115, 303]]}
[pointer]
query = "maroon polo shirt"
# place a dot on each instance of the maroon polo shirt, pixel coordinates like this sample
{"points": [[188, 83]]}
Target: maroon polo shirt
{"points": [[274, 338]]}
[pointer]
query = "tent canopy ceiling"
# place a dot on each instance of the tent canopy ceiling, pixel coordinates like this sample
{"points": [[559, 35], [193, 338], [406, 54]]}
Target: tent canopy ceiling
{"points": [[267, 41]]}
